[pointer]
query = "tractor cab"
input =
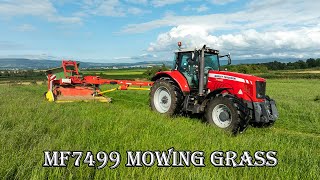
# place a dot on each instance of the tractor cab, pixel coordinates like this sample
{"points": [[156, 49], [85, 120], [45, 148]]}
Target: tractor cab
{"points": [[190, 62]]}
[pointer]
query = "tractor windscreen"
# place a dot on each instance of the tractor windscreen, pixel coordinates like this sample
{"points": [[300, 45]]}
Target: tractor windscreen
{"points": [[211, 61]]}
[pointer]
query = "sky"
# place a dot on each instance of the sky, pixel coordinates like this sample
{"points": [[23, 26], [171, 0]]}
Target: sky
{"points": [[139, 30]]}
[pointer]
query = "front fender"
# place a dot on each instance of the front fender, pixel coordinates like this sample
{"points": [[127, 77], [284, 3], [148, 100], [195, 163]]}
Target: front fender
{"points": [[175, 76], [212, 94], [216, 91]]}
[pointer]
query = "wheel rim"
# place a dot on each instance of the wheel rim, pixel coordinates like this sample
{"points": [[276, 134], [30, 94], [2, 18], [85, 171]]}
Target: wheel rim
{"points": [[162, 100], [221, 116]]}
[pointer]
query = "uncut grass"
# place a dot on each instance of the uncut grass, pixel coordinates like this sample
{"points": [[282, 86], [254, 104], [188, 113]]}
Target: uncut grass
{"points": [[289, 75], [129, 74], [29, 125]]}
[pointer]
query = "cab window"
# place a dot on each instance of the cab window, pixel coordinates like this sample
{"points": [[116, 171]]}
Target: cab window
{"points": [[185, 58]]}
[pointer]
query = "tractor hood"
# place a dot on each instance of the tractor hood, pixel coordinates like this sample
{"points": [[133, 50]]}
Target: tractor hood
{"points": [[228, 74]]}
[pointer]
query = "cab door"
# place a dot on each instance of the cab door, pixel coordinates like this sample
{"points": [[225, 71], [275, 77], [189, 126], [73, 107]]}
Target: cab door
{"points": [[188, 66]]}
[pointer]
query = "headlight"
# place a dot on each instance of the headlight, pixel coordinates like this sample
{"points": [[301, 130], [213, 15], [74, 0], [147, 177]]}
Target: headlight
{"points": [[261, 89]]}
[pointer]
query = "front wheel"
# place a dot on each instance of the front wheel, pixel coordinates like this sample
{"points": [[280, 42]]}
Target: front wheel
{"points": [[166, 97], [227, 113]]}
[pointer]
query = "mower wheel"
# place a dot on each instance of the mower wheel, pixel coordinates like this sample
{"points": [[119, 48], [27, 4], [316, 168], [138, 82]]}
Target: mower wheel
{"points": [[228, 113], [166, 97]]}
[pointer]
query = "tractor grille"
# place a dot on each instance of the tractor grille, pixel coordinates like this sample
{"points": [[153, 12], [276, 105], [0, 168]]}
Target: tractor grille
{"points": [[261, 89]]}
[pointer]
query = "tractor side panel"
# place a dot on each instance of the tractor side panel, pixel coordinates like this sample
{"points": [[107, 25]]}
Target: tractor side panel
{"points": [[238, 86], [214, 85], [177, 77]]}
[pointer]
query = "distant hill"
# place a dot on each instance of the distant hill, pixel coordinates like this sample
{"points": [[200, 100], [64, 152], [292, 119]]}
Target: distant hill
{"points": [[256, 61], [20, 63], [27, 63], [12, 63]]}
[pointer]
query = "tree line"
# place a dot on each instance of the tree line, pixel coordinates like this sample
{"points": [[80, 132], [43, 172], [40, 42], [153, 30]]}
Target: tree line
{"points": [[275, 65], [150, 72], [22, 74]]}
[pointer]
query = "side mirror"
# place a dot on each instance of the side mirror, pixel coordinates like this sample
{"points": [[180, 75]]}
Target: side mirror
{"points": [[229, 59], [194, 55]]}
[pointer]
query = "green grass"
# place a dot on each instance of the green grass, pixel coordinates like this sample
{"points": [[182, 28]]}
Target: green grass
{"points": [[116, 72], [122, 71], [312, 73], [123, 76], [129, 74], [29, 125]]}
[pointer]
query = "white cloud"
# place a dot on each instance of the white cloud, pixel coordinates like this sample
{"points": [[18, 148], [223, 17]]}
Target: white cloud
{"points": [[109, 8], [280, 14], [201, 8], [249, 43], [113, 8], [142, 57], [122, 58], [26, 7], [144, 2], [9, 45], [136, 11], [26, 28], [222, 2], [103, 8], [262, 28], [41, 8], [160, 3]]}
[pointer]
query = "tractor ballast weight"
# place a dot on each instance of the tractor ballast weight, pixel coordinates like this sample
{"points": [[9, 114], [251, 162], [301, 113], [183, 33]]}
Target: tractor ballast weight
{"points": [[228, 100]]}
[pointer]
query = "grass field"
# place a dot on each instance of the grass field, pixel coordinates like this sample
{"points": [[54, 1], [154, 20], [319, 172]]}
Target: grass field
{"points": [[138, 73], [117, 73], [313, 73], [29, 125]]}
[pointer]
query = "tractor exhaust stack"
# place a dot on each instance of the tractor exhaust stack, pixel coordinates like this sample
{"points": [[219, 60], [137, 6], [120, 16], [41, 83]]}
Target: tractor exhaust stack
{"points": [[201, 73]]}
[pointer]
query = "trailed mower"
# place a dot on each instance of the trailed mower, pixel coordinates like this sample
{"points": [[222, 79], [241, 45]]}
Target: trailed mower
{"points": [[66, 84]]}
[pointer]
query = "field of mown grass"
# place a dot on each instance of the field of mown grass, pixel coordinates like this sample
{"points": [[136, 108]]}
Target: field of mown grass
{"points": [[117, 73], [312, 73], [29, 125]]}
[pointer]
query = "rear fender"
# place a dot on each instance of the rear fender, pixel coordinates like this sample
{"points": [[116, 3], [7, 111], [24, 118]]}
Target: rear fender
{"points": [[175, 76]]}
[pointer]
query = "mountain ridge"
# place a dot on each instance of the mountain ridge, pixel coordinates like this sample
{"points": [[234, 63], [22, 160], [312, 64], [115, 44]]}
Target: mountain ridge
{"points": [[25, 63]]}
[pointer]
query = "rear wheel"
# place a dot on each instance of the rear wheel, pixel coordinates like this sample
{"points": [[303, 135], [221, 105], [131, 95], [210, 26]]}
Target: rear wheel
{"points": [[228, 113], [166, 97]]}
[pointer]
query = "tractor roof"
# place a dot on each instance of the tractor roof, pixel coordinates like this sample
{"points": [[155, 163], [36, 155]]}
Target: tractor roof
{"points": [[192, 50], [185, 50]]}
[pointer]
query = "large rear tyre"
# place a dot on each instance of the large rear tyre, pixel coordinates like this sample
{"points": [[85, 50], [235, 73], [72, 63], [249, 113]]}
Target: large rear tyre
{"points": [[166, 97], [228, 113]]}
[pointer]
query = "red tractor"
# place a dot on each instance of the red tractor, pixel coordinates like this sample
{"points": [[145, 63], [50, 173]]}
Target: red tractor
{"points": [[196, 85]]}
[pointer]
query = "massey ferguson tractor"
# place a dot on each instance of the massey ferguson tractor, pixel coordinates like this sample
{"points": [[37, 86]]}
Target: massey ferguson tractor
{"points": [[196, 85]]}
